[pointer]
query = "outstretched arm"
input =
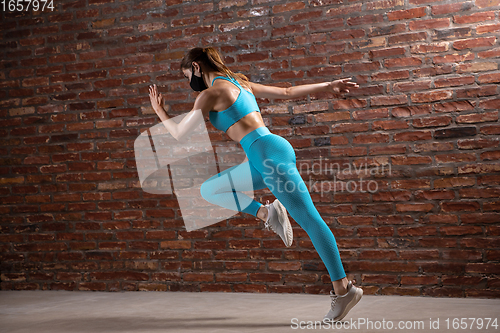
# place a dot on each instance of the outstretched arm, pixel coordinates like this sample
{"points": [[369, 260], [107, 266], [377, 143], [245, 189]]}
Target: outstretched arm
{"points": [[338, 87], [202, 106]]}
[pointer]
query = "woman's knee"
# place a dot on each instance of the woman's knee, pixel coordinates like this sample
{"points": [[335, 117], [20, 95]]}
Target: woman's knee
{"points": [[207, 190]]}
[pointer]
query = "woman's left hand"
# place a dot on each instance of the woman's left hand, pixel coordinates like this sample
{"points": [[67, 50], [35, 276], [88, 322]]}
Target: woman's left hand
{"points": [[342, 86]]}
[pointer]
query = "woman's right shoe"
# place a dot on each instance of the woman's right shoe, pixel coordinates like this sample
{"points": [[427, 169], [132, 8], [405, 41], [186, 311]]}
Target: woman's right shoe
{"points": [[277, 220], [342, 304]]}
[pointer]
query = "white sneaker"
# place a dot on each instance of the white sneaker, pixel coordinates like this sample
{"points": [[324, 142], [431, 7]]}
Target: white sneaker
{"points": [[277, 220], [342, 304]]}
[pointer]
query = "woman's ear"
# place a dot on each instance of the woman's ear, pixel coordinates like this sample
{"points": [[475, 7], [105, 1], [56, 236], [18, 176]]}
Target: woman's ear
{"points": [[197, 68]]}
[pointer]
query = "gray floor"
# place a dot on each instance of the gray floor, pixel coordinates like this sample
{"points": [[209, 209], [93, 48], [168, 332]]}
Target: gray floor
{"points": [[66, 311]]}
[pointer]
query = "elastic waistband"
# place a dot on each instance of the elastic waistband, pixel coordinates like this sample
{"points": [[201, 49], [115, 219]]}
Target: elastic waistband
{"points": [[250, 138]]}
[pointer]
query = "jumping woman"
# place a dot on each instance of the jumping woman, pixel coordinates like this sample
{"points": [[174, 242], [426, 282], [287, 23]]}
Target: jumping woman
{"points": [[229, 99]]}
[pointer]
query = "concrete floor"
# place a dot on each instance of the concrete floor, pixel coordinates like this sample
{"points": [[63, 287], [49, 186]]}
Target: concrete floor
{"points": [[102, 312]]}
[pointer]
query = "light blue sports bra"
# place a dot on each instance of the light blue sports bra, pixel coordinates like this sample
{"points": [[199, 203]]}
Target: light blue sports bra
{"points": [[244, 104]]}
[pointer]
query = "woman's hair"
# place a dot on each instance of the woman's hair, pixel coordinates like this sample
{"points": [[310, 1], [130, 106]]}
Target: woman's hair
{"points": [[211, 58]]}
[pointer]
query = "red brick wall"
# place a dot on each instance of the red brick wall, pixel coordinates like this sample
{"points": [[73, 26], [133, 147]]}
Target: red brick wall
{"points": [[74, 97]]}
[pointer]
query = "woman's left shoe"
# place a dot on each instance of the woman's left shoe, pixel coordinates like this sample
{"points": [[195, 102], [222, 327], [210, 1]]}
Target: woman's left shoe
{"points": [[342, 304], [277, 220]]}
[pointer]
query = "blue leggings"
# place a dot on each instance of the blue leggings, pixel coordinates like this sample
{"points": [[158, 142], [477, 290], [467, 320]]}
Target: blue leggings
{"points": [[272, 164]]}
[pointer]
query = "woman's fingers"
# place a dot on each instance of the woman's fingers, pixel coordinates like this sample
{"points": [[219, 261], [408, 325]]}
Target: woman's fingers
{"points": [[344, 83], [153, 96]]}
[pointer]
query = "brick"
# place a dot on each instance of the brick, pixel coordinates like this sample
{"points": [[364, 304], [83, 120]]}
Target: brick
{"points": [[487, 28], [378, 231], [427, 97], [490, 155], [476, 144], [234, 26], [250, 288], [451, 82], [407, 38], [453, 58], [384, 53], [198, 277], [343, 10], [432, 71], [492, 104], [329, 116], [253, 34], [474, 43], [340, 58], [453, 106], [402, 62], [348, 34], [289, 30], [486, 3], [477, 118], [406, 14], [419, 280], [325, 24], [288, 7], [365, 19], [119, 275], [393, 75], [452, 8], [231, 3], [479, 168], [244, 244], [389, 100], [429, 24], [309, 16], [489, 54], [453, 33], [383, 266], [264, 277], [432, 122], [451, 158], [210, 244], [430, 48], [310, 61], [310, 107], [475, 17], [384, 31], [412, 136]]}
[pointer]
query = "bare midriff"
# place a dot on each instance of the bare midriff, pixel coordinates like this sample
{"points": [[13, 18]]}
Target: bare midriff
{"points": [[245, 125]]}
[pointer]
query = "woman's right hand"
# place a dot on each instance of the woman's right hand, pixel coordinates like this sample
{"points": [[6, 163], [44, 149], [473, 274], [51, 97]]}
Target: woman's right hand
{"points": [[342, 86]]}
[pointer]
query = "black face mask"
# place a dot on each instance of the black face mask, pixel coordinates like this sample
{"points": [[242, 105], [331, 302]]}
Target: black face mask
{"points": [[197, 83]]}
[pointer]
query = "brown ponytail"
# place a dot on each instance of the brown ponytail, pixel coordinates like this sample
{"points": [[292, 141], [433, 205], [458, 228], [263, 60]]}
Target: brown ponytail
{"points": [[211, 58]]}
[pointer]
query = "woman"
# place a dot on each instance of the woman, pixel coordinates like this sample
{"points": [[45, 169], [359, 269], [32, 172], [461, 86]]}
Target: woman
{"points": [[229, 99]]}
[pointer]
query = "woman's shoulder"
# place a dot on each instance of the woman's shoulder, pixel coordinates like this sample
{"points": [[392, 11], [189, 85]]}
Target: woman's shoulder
{"points": [[226, 84], [245, 84]]}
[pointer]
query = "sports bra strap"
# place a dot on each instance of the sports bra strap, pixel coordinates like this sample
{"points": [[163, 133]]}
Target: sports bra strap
{"points": [[227, 79]]}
